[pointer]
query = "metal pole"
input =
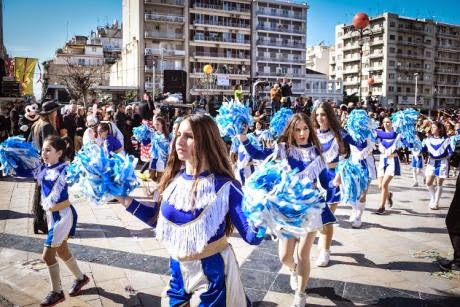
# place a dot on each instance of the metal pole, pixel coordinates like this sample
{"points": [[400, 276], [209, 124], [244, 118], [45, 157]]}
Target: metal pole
{"points": [[416, 78], [361, 45]]}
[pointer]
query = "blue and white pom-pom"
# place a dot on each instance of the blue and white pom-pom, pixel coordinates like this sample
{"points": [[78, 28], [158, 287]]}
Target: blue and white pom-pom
{"points": [[251, 138], [360, 126], [18, 157], [266, 135], [99, 176], [160, 146], [404, 123], [232, 117], [142, 133], [277, 201], [279, 121], [355, 180]]}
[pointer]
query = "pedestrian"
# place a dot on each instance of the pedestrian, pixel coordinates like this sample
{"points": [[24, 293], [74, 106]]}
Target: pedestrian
{"points": [[160, 145], [275, 96], [300, 146], [109, 142], [200, 203], [62, 220], [80, 122], [286, 93]]}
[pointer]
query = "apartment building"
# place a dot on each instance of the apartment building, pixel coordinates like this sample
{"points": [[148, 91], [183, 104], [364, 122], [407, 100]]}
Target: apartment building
{"points": [[399, 53], [111, 39], [279, 42], [319, 87], [241, 39], [318, 57]]}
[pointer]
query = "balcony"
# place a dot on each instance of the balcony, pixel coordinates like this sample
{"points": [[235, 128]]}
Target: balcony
{"points": [[411, 56], [271, 43], [352, 59], [165, 18], [281, 29], [221, 7], [221, 40], [447, 83], [280, 13], [377, 42], [280, 74], [447, 71], [350, 71], [449, 47], [167, 2], [415, 44], [351, 82], [351, 47], [280, 59], [223, 23], [232, 56], [164, 35], [164, 52]]}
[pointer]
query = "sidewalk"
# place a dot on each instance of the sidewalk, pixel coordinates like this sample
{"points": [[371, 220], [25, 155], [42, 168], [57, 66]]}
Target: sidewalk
{"points": [[388, 262]]}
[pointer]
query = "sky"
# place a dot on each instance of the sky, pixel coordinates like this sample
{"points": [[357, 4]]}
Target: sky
{"points": [[36, 28]]}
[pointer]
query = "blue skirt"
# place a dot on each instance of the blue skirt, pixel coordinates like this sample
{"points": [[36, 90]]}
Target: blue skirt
{"points": [[327, 216], [333, 192]]}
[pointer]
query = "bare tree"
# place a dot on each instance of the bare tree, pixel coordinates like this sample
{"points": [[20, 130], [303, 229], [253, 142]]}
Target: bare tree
{"points": [[79, 79]]}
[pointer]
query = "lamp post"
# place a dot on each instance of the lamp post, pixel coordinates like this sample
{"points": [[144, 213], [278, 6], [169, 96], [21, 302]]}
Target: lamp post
{"points": [[360, 25], [416, 88]]}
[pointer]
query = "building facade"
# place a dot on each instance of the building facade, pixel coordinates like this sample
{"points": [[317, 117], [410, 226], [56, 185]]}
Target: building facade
{"points": [[318, 58], [399, 53], [318, 86], [242, 40]]}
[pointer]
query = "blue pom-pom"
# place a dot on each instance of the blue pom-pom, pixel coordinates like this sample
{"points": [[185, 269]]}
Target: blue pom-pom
{"points": [[276, 200], [18, 157], [142, 133], [355, 180], [232, 117], [279, 121], [160, 146], [101, 176], [404, 123], [360, 126]]}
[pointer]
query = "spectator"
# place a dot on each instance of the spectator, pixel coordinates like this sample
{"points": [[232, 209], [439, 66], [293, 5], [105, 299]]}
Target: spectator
{"points": [[80, 124], [14, 117], [286, 93], [69, 121], [275, 95], [107, 139], [123, 123]]}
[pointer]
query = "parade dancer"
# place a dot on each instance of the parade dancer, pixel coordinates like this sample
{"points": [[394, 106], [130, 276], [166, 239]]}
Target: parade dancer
{"points": [[62, 220], [244, 164], [301, 148], [200, 203], [417, 167], [159, 149], [389, 164], [437, 168], [333, 141]]}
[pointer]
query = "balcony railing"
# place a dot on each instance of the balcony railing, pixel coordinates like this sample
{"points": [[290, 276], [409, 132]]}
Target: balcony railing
{"points": [[172, 2], [230, 73], [223, 23], [281, 28], [280, 13], [221, 39], [164, 35], [280, 43], [242, 57], [165, 52], [280, 59], [281, 74], [221, 7], [168, 18]]}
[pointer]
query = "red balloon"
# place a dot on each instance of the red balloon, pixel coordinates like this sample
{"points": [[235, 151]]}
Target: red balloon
{"points": [[360, 21], [370, 81]]}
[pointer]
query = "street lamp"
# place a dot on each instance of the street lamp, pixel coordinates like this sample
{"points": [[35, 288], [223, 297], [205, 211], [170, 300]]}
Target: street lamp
{"points": [[360, 25], [416, 88]]}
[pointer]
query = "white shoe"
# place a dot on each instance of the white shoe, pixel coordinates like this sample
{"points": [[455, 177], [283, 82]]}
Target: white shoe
{"points": [[293, 280], [434, 206], [323, 258], [300, 299], [356, 223], [415, 184]]}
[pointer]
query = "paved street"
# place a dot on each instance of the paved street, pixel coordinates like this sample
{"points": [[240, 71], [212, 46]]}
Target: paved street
{"points": [[386, 263]]}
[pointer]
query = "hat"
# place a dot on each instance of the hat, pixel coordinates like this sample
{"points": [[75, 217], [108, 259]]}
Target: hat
{"points": [[49, 107], [91, 121]]}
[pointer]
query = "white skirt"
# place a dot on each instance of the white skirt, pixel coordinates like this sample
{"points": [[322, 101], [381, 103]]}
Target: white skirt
{"points": [[437, 167]]}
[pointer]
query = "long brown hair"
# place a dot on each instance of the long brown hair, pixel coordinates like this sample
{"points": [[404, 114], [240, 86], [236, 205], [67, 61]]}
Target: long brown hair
{"points": [[209, 150], [334, 125], [288, 134], [163, 126]]}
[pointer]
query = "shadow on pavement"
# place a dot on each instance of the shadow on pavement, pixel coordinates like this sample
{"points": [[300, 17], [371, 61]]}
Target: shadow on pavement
{"points": [[9, 215]]}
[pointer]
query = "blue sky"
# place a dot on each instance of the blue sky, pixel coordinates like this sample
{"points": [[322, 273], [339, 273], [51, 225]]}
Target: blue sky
{"points": [[36, 28]]}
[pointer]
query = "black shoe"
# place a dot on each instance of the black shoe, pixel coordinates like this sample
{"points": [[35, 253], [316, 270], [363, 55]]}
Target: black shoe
{"points": [[53, 298], [390, 199], [444, 264], [380, 211], [77, 285]]}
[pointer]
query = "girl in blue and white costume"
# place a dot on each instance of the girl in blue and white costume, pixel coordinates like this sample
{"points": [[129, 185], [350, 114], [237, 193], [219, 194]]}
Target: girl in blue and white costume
{"points": [[244, 163], [300, 146], [333, 139], [438, 148], [417, 166], [159, 148], [389, 166], [61, 217], [200, 203]]}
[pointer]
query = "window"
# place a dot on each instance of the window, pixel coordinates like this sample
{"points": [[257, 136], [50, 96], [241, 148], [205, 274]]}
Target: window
{"points": [[399, 89], [428, 54], [409, 39], [391, 76], [391, 89], [392, 37], [392, 63], [409, 52], [392, 24], [408, 89], [81, 61], [392, 50], [400, 38]]}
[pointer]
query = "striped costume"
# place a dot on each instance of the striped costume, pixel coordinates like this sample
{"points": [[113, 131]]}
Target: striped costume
{"points": [[388, 143], [438, 150], [191, 225]]}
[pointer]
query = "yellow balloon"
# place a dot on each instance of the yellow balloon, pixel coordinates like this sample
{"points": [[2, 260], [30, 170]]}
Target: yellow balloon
{"points": [[207, 69]]}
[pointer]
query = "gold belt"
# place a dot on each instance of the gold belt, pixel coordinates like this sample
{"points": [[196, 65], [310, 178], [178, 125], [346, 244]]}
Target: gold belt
{"points": [[59, 206], [209, 250]]}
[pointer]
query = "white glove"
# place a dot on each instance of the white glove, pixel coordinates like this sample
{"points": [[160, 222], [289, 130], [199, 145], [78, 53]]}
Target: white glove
{"points": [[24, 128]]}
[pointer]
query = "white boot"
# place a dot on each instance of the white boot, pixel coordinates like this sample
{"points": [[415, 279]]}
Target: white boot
{"points": [[323, 258], [293, 279], [359, 213], [431, 191], [437, 197], [353, 213], [414, 175], [300, 299]]}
